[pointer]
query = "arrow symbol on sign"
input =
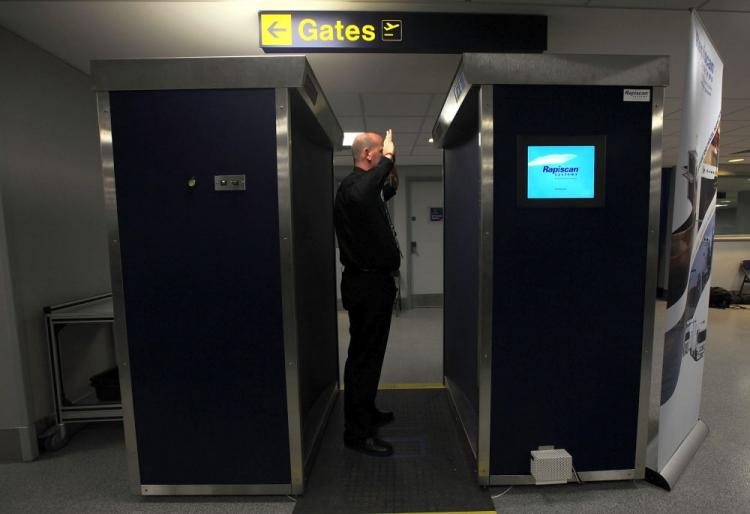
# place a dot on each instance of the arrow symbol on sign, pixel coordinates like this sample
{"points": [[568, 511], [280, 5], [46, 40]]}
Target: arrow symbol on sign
{"points": [[273, 29]]}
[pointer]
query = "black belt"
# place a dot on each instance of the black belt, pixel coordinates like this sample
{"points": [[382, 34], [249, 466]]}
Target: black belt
{"points": [[349, 269]]}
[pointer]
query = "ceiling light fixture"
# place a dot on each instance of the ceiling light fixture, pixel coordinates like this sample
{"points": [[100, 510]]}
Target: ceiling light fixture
{"points": [[349, 138], [735, 160]]}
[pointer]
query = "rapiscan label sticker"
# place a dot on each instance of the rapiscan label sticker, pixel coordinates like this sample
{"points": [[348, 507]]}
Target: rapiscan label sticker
{"points": [[636, 95]]}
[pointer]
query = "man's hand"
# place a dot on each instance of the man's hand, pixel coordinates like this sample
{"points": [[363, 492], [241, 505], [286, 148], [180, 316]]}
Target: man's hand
{"points": [[388, 146]]}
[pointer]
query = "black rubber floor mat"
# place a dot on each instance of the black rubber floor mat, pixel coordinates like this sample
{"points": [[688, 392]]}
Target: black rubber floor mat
{"points": [[432, 468]]}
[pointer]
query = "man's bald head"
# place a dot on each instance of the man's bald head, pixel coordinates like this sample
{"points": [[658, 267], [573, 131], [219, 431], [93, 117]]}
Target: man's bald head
{"points": [[367, 149]]}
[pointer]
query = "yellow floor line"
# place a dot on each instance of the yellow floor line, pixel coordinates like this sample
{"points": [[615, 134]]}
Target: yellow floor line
{"points": [[435, 385], [456, 512]]}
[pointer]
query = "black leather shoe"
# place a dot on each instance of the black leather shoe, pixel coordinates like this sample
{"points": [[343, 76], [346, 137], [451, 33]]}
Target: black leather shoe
{"points": [[382, 418], [371, 446]]}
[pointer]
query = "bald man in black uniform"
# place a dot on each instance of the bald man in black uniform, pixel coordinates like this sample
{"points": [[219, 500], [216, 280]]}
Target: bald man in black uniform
{"points": [[370, 255]]}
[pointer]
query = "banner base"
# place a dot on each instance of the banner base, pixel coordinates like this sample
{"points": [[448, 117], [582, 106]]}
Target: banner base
{"points": [[672, 471]]}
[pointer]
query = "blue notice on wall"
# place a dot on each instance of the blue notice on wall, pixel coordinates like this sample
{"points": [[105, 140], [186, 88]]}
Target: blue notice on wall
{"points": [[561, 172], [436, 214]]}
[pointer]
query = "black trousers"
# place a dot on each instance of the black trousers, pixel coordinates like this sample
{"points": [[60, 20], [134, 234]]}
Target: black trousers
{"points": [[368, 298]]}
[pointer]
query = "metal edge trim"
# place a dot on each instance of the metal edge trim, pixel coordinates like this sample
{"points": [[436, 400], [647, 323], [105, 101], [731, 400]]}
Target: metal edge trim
{"points": [[567, 69], [54, 367], [320, 429], [322, 110], [214, 489], [677, 464], [586, 476], [484, 356], [57, 319], [652, 269], [118, 293], [75, 303], [460, 413], [288, 296], [259, 71], [728, 238], [451, 106]]}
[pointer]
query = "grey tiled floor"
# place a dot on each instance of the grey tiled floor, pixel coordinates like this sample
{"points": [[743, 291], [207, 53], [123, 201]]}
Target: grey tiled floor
{"points": [[90, 474]]}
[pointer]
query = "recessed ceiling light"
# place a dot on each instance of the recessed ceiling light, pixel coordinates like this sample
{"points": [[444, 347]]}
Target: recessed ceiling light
{"points": [[735, 160], [349, 138], [430, 140]]}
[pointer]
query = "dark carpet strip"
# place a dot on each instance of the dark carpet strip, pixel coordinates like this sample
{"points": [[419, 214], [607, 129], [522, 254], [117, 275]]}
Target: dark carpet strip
{"points": [[432, 469]]}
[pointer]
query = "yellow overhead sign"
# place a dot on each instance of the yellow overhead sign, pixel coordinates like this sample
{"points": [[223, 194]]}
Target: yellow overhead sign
{"points": [[371, 31]]}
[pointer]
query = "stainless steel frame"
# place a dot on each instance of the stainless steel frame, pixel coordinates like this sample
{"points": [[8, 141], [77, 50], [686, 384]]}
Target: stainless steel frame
{"points": [[276, 72], [483, 71], [652, 270], [118, 294], [484, 358], [559, 69], [286, 243], [214, 489]]}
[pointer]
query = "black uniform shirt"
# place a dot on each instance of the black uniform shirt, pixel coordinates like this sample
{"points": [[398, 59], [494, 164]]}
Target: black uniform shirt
{"points": [[366, 238]]}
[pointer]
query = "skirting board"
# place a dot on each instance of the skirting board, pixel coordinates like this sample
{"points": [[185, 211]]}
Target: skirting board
{"points": [[18, 444], [672, 471]]}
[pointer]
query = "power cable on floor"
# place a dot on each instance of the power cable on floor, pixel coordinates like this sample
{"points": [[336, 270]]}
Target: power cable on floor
{"points": [[499, 495]]}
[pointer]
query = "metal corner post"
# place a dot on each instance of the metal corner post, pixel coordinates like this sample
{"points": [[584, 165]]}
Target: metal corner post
{"points": [[486, 241], [286, 245], [649, 301], [118, 292]]}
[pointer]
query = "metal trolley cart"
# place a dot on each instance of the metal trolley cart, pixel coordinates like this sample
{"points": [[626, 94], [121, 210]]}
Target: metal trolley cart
{"points": [[218, 185], [78, 402]]}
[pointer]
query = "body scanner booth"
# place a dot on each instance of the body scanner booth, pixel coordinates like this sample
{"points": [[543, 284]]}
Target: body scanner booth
{"points": [[551, 169], [218, 179]]}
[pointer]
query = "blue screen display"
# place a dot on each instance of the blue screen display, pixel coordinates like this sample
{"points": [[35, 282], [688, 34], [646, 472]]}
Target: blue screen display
{"points": [[560, 172]]}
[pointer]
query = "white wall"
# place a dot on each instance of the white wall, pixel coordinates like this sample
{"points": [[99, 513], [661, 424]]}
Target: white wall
{"points": [[725, 267], [51, 183]]}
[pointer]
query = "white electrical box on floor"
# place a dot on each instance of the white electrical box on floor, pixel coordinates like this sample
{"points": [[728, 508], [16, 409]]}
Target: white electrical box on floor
{"points": [[551, 466]]}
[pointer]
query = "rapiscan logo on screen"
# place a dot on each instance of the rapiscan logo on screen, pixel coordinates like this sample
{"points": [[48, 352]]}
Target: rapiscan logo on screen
{"points": [[560, 172]]}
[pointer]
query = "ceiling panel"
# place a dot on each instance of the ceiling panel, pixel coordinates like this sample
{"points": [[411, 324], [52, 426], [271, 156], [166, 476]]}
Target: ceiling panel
{"points": [[741, 115], [672, 104], [734, 140], [352, 123], [544, 2], [652, 4], [732, 105], [426, 150], [395, 104], [398, 124], [671, 127], [436, 105], [345, 104], [727, 5], [404, 141], [735, 127]]}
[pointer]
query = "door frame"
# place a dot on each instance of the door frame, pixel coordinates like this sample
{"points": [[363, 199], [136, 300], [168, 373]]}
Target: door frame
{"points": [[409, 265]]}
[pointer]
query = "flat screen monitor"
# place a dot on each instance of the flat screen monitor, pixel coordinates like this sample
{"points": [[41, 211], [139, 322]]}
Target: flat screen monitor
{"points": [[561, 171]]}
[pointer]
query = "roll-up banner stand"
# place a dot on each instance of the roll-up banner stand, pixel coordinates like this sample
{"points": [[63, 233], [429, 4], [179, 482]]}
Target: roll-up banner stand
{"points": [[680, 432]]}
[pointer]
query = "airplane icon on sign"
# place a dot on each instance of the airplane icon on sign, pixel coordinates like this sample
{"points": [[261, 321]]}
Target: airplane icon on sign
{"points": [[392, 30]]}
